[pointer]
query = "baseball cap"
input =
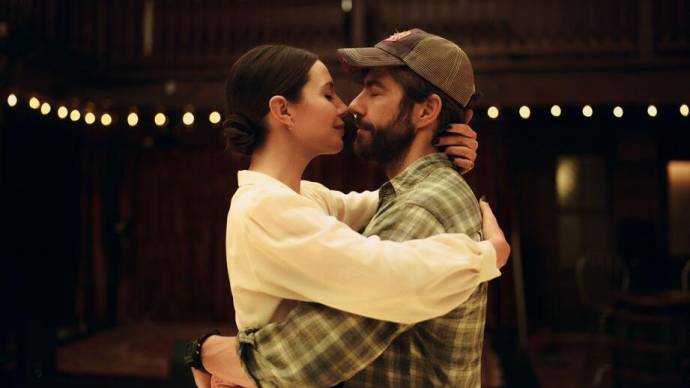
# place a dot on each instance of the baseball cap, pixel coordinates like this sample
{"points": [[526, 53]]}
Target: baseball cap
{"points": [[439, 61]]}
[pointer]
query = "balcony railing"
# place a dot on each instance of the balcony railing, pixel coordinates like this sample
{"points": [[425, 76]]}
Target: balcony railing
{"points": [[161, 37]]}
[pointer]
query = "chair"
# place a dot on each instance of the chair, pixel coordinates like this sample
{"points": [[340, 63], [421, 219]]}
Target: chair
{"points": [[684, 277], [599, 278]]}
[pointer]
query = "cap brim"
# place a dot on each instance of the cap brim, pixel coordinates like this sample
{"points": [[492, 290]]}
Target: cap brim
{"points": [[367, 57]]}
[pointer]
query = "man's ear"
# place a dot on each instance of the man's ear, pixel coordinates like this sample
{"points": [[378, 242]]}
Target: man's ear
{"points": [[278, 109], [469, 113], [430, 109]]}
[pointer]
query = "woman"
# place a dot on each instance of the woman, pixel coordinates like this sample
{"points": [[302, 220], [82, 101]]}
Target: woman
{"points": [[291, 240]]}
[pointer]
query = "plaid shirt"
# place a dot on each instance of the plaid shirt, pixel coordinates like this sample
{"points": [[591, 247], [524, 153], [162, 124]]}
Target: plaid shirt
{"points": [[316, 346]]}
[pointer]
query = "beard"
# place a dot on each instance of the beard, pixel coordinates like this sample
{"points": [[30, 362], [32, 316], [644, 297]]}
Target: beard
{"points": [[387, 143]]}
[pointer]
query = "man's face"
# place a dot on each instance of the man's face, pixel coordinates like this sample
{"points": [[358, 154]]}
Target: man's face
{"points": [[383, 132]]}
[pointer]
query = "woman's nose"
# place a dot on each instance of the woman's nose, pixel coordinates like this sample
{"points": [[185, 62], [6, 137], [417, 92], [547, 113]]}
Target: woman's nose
{"points": [[340, 106]]}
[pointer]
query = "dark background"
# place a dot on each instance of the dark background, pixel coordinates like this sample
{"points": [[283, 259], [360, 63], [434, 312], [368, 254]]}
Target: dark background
{"points": [[113, 243]]}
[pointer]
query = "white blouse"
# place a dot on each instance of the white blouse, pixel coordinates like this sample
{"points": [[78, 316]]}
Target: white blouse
{"points": [[282, 245]]}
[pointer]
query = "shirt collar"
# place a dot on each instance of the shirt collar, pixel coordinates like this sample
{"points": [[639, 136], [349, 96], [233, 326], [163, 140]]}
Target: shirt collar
{"points": [[414, 173], [249, 177]]}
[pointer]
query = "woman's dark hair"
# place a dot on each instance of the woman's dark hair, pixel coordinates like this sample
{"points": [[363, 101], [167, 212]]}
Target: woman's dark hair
{"points": [[259, 74], [416, 89]]}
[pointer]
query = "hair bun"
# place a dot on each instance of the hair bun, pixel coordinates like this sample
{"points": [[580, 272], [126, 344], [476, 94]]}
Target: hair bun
{"points": [[240, 133]]}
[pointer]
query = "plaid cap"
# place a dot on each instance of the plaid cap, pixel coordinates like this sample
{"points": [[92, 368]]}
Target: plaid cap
{"points": [[439, 61]]}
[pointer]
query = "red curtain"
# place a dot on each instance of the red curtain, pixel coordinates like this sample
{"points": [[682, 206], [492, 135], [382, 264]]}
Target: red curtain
{"points": [[153, 234]]}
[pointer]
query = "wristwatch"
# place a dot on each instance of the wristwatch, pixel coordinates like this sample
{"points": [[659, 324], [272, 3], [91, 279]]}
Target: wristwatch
{"points": [[192, 354]]}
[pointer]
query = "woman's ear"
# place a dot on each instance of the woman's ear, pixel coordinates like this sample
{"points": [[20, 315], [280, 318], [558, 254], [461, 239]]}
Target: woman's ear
{"points": [[278, 110], [430, 109]]}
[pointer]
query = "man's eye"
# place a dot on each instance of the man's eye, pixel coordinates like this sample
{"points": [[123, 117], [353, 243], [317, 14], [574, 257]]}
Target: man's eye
{"points": [[329, 97]]}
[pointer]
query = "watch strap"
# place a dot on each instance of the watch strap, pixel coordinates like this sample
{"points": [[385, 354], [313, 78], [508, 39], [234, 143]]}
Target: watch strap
{"points": [[192, 355]]}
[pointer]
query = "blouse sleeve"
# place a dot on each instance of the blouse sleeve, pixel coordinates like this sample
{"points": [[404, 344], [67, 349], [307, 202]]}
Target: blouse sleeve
{"points": [[353, 209], [300, 253]]}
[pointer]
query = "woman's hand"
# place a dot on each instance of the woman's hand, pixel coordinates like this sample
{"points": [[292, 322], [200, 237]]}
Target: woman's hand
{"points": [[494, 234], [460, 143]]}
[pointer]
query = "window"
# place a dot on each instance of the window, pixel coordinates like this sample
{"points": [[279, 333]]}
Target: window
{"points": [[679, 207], [582, 190]]}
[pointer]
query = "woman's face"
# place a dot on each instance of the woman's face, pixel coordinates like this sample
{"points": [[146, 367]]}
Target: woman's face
{"points": [[318, 116]]}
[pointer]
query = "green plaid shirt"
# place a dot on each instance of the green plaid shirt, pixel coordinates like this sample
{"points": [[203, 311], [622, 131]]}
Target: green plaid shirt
{"points": [[316, 346]]}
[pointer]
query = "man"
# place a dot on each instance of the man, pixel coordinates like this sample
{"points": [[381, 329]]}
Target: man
{"points": [[415, 84]]}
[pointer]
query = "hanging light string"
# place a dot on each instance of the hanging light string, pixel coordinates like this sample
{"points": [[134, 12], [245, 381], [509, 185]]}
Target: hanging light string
{"points": [[188, 117], [106, 117]]}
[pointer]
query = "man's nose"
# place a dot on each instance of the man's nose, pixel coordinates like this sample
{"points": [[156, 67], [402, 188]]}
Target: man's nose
{"points": [[357, 107]]}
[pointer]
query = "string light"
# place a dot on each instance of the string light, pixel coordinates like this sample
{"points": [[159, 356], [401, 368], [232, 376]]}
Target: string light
{"points": [[106, 119], [45, 108], [651, 111], [74, 115], [188, 118], [132, 119], [62, 112], [618, 111], [492, 112], [555, 111], [214, 117], [34, 103], [160, 119], [587, 111], [89, 118], [12, 100]]}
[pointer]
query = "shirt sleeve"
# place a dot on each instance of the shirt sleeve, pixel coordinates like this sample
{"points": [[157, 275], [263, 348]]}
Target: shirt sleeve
{"points": [[314, 347], [353, 209], [317, 346], [305, 255]]}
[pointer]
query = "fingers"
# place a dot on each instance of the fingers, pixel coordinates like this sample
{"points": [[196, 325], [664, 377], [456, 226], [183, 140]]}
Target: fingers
{"points": [[217, 382], [494, 234], [457, 140], [462, 157], [201, 379], [487, 213], [486, 209], [461, 152], [462, 130], [463, 165], [489, 222]]}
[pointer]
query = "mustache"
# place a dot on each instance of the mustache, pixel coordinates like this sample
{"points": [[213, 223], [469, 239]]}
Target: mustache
{"points": [[359, 122]]}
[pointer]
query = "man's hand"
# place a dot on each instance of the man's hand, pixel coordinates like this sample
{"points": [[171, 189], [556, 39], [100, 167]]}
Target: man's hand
{"points": [[201, 379], [459, 142], [217, 382], [220, 359], [494, 234]]}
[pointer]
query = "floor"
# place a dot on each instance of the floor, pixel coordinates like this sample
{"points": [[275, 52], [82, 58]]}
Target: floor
{"points": [[152, 350], [569, 360], [150, 355], [143, 350]]}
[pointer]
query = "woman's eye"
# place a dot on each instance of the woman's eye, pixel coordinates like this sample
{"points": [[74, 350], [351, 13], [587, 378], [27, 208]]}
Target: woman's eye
{"points": [[329, 97]]}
